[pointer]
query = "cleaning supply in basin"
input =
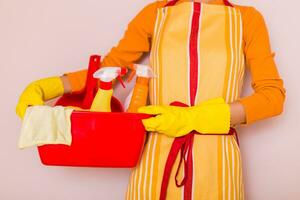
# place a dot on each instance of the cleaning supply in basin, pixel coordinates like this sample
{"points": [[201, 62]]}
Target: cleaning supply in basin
{"points": [[141, 88], [106, 75], [46, 125]]}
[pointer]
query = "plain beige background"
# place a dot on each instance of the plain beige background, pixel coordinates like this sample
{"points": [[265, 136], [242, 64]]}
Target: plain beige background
{"points": [[40, 38]]}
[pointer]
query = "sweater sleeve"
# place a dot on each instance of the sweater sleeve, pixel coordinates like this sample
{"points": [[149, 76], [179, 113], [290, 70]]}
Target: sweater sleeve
{"points": [[135, 42], [268, 97]]}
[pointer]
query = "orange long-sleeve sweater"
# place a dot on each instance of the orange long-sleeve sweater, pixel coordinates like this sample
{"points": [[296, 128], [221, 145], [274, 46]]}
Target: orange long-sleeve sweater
{"points": [[269, 93]]}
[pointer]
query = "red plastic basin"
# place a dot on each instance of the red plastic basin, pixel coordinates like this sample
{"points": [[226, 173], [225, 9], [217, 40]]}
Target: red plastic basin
{"points": [[99, 140]]}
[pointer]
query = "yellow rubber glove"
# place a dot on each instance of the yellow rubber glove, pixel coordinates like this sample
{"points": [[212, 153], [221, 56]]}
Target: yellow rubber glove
{"points": [[39, 91], [210, 117]]}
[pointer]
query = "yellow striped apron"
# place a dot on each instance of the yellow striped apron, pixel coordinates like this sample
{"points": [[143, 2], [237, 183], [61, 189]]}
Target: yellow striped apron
{"points": [[197, 54]]}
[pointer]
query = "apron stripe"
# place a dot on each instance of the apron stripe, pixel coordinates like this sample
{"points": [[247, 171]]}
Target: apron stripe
{"points": [[235, 33], [144, 171], [156, 167], [241, 76], [228, 171], [220, 163], [159, 89], [241, 182], [233, 166], [236, 55], [144, 168], [194, 53], [157, 59], [228, 50], [139, 186], [155, 62], [240, 53], [224, 168], [233, 56], [193, 181], [229, 174], [237, 167], [231, 26], [152, 189], [135, 182], [138, 174], [147, 170], [188, 55]]}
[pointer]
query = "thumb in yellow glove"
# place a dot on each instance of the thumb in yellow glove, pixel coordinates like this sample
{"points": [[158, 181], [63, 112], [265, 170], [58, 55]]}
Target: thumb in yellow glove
{"points": [[39, 91], [210, 117]]}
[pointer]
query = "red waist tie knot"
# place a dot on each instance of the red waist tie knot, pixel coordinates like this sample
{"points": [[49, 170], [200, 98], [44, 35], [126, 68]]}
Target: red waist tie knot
{"points": [[184, 145]]}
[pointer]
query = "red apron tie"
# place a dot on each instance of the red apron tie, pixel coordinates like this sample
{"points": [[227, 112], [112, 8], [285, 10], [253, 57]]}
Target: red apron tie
{"points": [[184, 145]]}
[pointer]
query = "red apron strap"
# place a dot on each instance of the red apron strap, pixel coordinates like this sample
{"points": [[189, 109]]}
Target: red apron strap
{"points": [[173, 2], [184, 145], [176, 146], [188, 187]]}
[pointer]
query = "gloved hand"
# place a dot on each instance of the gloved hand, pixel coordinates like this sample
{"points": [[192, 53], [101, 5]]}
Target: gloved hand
{"points": [[39, 91], [210, 117]]}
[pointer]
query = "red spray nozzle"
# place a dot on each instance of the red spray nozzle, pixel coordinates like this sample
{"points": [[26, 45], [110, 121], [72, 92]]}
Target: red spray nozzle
{"points": [[123, 72]]}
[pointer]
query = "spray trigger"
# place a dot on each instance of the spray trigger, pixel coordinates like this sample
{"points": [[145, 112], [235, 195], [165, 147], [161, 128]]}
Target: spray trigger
{"points": [[121, 81], [131, 76]]}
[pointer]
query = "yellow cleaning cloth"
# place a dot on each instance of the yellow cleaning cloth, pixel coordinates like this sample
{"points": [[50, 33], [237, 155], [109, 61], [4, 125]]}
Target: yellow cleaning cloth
{"points": [[46, 125]]}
